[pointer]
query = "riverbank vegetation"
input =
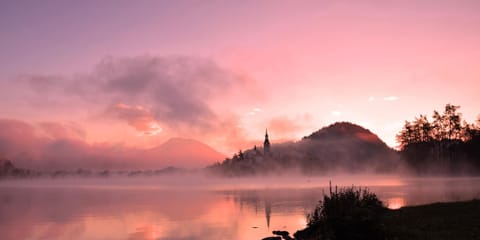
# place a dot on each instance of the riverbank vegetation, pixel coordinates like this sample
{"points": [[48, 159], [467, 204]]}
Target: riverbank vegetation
{"points": [[357, 214]]}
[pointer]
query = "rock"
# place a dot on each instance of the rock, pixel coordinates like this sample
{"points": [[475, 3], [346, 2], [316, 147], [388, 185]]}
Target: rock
{"points": [[285, 235], [272, 238]]}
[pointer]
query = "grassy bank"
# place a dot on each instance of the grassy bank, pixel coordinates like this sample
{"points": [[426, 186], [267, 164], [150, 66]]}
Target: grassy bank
{"points": [[455, 220], [354, 213]]}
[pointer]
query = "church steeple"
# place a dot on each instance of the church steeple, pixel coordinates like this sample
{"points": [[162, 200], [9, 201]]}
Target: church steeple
{"points": [[266, 145]]}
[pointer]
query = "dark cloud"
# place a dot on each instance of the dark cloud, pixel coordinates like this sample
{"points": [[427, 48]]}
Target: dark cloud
{"points": [[176, 90]]}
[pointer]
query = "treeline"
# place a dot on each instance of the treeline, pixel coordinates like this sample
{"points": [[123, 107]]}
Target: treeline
{"points": [[8, 170], [445, 144]]}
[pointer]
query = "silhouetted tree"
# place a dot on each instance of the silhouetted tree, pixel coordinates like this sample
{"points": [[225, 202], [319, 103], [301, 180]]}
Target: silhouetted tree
{"points": [[440, 142]]}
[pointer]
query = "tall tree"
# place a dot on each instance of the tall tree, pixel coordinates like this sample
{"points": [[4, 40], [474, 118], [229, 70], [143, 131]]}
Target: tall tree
{"points": [[422, 128], [452, 122]]}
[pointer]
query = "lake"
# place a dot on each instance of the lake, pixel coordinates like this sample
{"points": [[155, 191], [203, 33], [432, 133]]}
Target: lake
{"points": [[186, 207]]}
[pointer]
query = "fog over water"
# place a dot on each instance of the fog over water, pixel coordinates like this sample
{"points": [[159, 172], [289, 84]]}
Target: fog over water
{"points": [[193, 206]]}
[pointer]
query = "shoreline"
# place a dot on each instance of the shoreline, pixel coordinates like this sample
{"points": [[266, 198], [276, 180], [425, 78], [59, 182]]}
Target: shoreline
{"points": [[439, 220]]}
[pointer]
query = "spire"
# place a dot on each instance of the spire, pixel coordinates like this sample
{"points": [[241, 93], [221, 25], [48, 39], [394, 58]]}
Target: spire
{"points": [[266, 145]]}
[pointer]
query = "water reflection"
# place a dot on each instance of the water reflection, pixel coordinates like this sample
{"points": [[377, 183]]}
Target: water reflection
{"points": [[151, 213], [395, 202]]}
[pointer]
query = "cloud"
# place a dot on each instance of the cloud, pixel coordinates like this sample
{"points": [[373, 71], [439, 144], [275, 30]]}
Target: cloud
{"points": [[178, 90], [391, 98], [371, 98], [136, 116], [284, 127], [255, 111], [177, 95], [167, 96], [336, 113], [56, 130]]}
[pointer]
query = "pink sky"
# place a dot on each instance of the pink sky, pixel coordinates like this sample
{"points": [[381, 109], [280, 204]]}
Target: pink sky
{"points": [[137, 73]]}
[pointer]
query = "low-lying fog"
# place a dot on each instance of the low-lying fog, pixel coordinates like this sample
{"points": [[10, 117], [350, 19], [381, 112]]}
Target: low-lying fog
{"points": [[430, 189]]}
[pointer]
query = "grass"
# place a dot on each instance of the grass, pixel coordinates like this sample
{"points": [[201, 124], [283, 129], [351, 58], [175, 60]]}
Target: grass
{"points": [[356, 214], [456, 220]]}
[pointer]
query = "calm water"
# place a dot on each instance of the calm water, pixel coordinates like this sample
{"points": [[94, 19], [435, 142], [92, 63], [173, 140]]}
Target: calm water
{"points": [[190, 209]]}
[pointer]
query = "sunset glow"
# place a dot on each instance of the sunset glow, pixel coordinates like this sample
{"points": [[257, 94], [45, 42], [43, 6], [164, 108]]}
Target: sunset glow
{"points": [[221, 72], [224, 119], [395, 203]]}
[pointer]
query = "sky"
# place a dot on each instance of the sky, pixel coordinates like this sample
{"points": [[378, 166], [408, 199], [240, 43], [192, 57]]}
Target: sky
{"points": [[137, 73]]}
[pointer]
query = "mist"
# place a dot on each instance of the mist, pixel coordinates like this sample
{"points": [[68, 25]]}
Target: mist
{"points": [[59, 147]]}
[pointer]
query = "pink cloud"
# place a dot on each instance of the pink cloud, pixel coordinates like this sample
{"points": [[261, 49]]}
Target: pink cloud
{"points": [[138, 117], [57, 130], [286, 128]]}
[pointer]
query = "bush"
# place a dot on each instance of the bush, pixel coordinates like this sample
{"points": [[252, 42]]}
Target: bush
{"points": [[351, 213]]}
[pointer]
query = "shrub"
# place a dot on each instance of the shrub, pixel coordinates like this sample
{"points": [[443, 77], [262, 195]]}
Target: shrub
{"points": [[351, 213]]}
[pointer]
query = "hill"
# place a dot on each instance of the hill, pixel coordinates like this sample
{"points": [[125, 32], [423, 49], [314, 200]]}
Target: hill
{"points": [[182, 152], [342, 146], [346, 146], [345, 131]]}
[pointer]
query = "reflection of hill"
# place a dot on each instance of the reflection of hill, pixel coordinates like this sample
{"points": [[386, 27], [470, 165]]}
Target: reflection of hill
{"points": [[341, 146]]}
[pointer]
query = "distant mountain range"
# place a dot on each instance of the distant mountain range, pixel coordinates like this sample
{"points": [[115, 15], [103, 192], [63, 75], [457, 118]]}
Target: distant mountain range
{"points": [[174, 156], [67, 154], [342, 146]]}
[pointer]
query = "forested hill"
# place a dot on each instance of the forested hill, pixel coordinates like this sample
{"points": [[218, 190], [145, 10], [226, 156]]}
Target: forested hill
{"points": [[342, 146]]}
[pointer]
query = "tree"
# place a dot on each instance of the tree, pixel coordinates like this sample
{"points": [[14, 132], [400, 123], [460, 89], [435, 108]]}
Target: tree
{"points": [[405, 138], [447, 141], [447, 126], [422, 129]]}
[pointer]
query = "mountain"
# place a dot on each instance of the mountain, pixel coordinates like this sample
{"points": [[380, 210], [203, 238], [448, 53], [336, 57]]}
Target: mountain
{"points": [[346, 131], [342, 146], [182, 152]]}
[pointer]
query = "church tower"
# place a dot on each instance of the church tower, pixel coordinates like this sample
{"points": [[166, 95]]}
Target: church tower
{"points": [[266, 145]]}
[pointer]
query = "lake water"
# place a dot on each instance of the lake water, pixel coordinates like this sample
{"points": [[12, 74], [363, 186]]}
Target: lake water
{"points": [[191, 208]]}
